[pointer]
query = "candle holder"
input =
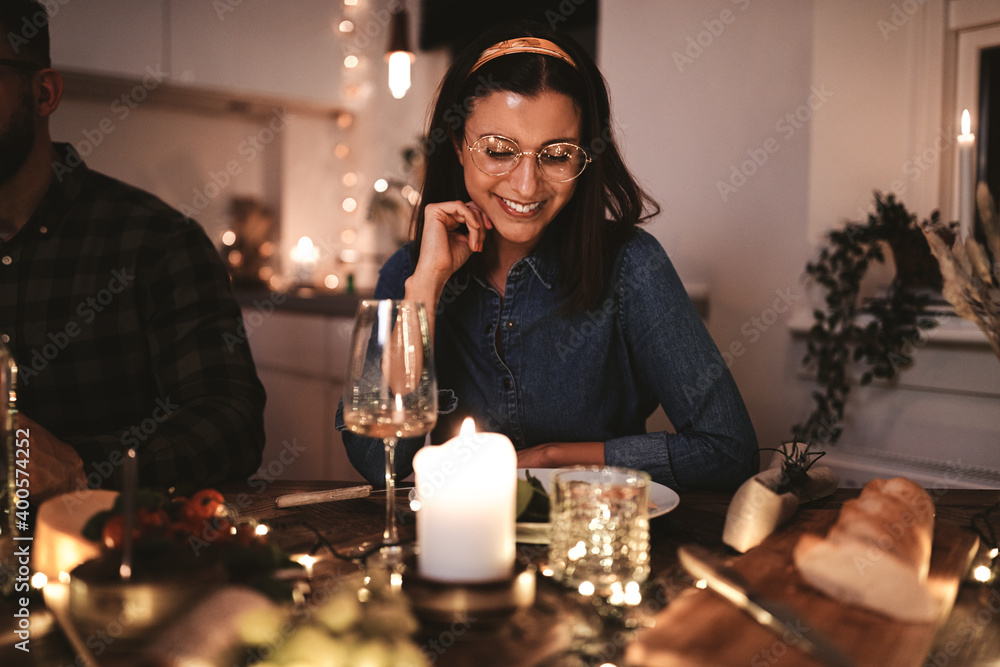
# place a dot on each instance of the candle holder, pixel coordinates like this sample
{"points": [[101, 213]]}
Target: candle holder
{"points": [[484, 605]]}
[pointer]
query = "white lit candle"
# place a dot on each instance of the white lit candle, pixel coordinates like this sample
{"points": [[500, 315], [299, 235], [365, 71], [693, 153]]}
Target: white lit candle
{"points": [[304, 256], [467, 490], [966, 178]]}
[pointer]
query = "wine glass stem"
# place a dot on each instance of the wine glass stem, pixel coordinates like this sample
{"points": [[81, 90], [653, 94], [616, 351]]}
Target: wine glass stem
{"points": [[390, 536]]}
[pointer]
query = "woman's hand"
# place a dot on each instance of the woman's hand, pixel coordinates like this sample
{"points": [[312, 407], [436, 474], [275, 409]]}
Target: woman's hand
{"points": [[558, 454], [452, 232]]}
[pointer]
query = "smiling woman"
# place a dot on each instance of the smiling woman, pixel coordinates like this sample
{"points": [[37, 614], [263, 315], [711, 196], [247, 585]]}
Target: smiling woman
{"points": [[556, 321]]}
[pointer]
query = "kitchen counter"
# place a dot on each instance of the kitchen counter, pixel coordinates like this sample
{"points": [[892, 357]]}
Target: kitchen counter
{"points": [[303, 300]]}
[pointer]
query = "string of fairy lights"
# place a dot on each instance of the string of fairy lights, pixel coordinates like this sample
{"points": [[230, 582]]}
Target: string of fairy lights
{"points": [[364, 32]]}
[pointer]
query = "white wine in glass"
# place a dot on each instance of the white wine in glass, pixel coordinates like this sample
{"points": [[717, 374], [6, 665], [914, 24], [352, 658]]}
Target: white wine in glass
{"points": [[390, 391]]}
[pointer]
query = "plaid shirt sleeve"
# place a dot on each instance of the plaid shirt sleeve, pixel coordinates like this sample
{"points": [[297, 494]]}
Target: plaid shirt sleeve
{"points": [[126, 333]]}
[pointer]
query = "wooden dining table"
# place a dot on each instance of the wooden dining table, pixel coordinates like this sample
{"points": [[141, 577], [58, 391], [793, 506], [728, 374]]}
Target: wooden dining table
{"points": [[563, 628]]}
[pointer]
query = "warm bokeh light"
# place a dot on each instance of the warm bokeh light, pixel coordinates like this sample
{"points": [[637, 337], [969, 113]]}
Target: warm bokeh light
{"points": [[348, 235], [350, 179], [228, 237], [350, 62], [304, 251], [346, 26], [331, 281], [350, 204], [399, 73], [341, 150], [381, 185]]}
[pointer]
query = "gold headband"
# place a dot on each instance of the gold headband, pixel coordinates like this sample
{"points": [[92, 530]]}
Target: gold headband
{"points": [[522, 45]]}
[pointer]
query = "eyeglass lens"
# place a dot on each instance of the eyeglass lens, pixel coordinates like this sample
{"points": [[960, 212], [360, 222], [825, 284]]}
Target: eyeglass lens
{"points": [[558, 162]]}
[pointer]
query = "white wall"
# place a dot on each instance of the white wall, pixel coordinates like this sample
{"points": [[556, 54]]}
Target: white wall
{"points": [[841, 97], [288, 161], [685, 126]]}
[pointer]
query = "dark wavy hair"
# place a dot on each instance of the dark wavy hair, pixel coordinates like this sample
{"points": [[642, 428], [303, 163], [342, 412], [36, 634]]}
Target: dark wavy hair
{"points": [[607, 204]]}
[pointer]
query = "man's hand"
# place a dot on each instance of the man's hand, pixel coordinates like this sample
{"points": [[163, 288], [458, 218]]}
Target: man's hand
{"points": [[54, 467]]}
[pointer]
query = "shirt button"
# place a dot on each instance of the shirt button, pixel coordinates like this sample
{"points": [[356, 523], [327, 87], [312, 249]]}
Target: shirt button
{"points": [[43, 230], [510, 324], [506, 383], [7, 260]]}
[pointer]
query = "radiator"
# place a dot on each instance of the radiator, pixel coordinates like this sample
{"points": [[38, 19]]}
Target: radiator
{"points": [[855, 467]]}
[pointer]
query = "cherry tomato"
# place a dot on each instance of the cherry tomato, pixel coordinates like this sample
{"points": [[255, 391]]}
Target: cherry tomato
{"points": [[114, 532], [201, 505]]}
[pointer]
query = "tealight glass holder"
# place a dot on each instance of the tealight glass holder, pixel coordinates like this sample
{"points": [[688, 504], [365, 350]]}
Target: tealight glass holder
{"points": [[599, 541]]}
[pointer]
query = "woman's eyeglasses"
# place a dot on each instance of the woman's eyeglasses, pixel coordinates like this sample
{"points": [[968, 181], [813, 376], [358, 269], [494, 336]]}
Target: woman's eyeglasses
{"points": [[558, 162]]}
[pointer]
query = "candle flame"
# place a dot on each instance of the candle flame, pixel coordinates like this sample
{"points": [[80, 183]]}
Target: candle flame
{"points": [[304, 251], [468, 427], [966, 122]]}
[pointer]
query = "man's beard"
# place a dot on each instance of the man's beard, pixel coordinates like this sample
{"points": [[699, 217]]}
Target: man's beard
{"points": [[17, 137]]}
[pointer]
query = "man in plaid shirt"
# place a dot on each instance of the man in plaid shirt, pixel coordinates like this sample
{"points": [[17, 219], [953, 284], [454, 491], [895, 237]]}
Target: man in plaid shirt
{"points": [[117, 308]]}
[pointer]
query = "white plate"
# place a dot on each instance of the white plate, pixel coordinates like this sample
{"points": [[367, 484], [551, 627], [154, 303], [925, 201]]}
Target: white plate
{"points": [[662, 499]]}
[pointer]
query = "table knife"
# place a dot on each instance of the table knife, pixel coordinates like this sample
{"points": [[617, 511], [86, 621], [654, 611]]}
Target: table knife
{"points": [[725, 581], [329, 495], [326, 495]]}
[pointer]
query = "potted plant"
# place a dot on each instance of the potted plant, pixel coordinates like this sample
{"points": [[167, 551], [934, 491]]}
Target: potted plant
{"points": [[897, 318], [770, 498]]}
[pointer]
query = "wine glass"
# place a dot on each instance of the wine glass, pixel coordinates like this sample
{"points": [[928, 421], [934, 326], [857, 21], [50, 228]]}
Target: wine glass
{"points": [[390, 391]]}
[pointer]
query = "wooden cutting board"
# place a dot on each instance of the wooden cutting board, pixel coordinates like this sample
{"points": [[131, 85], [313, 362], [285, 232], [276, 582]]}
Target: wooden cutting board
{"points": [[700, 628]]}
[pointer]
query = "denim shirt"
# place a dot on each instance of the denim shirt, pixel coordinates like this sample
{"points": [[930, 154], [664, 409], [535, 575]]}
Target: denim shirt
{"points": [[592, 376]]}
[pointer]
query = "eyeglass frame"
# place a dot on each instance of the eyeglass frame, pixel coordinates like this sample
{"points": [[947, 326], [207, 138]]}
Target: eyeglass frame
{"points": [[22, 64], [537, 154]]}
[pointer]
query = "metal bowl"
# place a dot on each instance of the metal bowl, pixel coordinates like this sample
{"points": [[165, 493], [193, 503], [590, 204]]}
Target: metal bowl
{"points": [[118, 615]]}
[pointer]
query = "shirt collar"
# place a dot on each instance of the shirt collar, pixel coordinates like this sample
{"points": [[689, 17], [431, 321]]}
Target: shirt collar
{"points": [[542, 260], [69, 172]]}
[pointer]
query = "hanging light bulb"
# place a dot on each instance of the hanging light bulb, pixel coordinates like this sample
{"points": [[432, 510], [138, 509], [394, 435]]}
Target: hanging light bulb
{"points": [[399, 55]]}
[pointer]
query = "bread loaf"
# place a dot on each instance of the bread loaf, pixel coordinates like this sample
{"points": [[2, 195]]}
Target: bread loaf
{"points": [[878, 552]]}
